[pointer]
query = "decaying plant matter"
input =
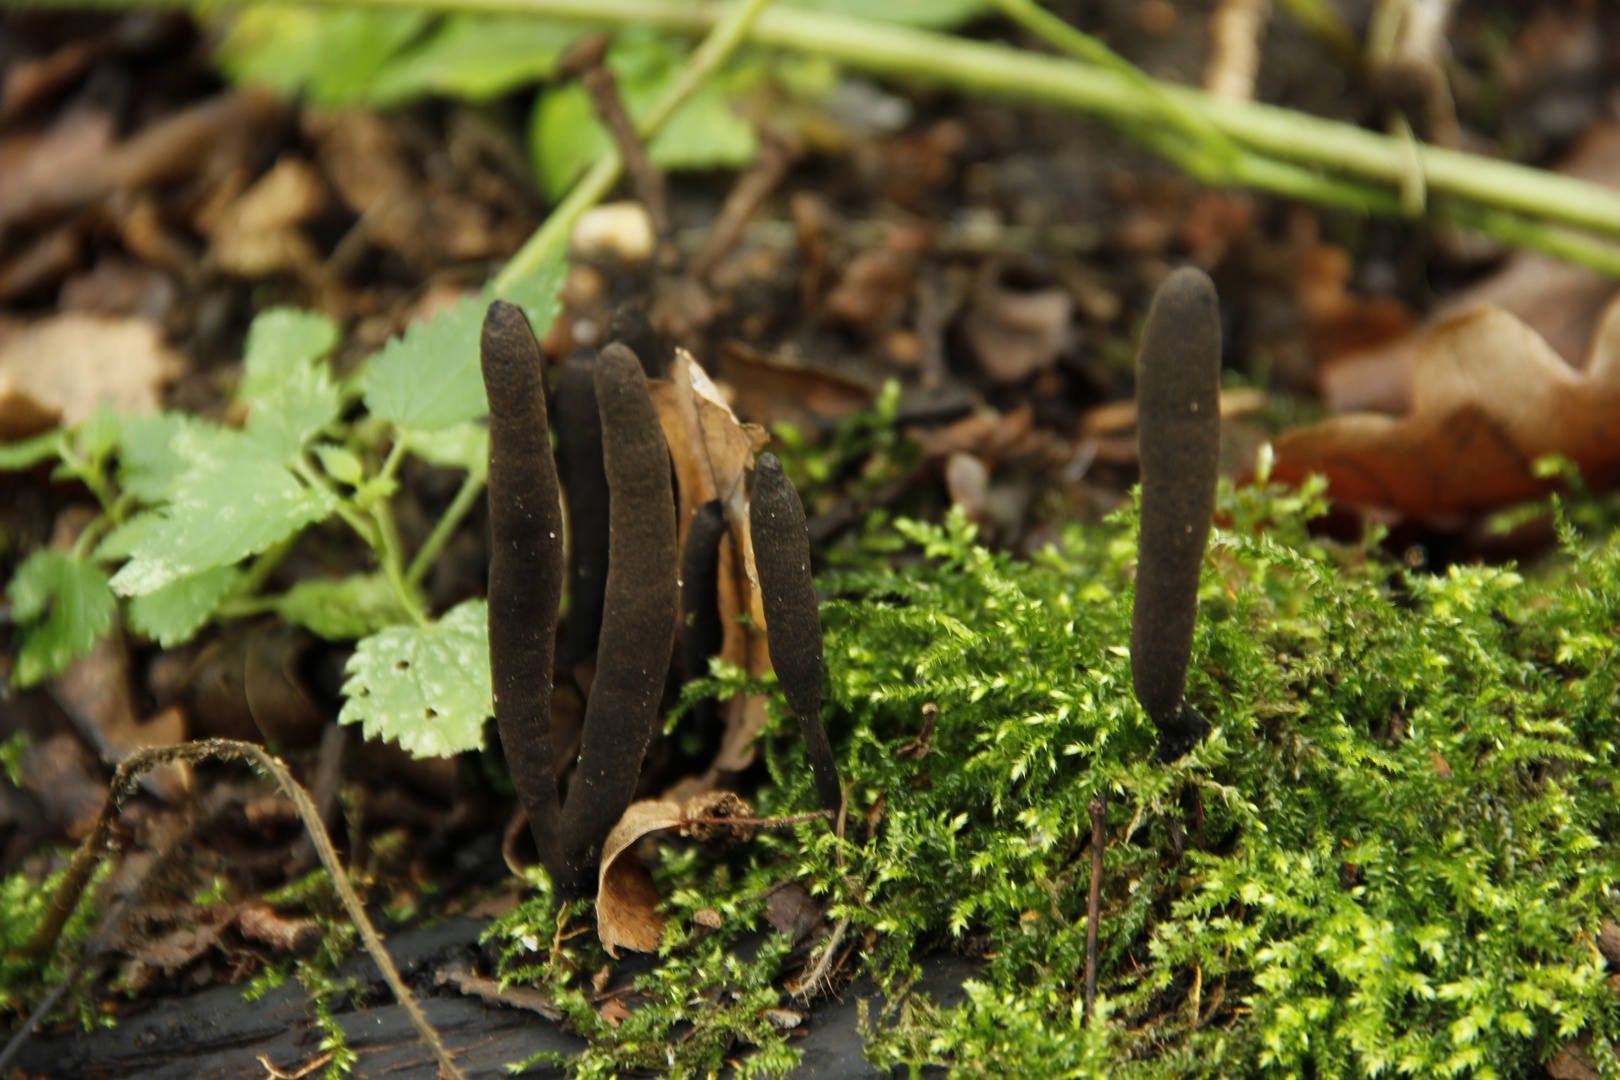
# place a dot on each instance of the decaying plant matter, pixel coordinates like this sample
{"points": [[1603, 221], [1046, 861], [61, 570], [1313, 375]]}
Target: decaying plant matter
{"points": [[624, 482], [1179, 427]]}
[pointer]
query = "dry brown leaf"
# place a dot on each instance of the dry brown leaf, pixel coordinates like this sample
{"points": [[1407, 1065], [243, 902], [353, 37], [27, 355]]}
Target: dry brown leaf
{"points": [[179, 947], [1015, 333], [713, 452], [258, 234], [425, 220], [1489, 397], [770, 390], [791, 910], [95, 693], [60, 369], [874, 287], [1572, 1062], [1559, 300], [626, 901], [64, 779], [74, 164]]}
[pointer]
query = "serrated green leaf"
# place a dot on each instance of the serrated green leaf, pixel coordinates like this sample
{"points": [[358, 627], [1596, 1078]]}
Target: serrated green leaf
{"points": [[343, 610], [97, 435], [17, 456], [425, 687], [67, 607], [148, 461], [465, 446], [299, 406], [172, 614], [281, 341], [429, 378], [341, 464], [236, 500], [476, 57], [330, 54], [565, 136]]}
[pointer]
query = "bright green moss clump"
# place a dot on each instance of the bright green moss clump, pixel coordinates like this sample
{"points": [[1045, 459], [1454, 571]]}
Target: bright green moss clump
{"points": [[1408, 805]]}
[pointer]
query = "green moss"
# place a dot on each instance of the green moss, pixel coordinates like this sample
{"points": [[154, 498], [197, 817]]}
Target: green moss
{"points": [[26, 980], [1408, 805]]}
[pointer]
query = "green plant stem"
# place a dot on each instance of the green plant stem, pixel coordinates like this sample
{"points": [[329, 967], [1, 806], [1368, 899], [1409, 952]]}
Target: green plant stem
{"points": [[345, 510], [1019, 75], [390, 554], [377, 531], [1088, 50], [466, 497], [726, 33], [263, 566]]}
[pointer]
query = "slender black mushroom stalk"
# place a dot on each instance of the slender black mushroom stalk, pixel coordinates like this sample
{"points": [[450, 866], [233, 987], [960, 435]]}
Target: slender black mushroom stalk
{"points": [[703, 633], [639, 616], [526, 566], [1179, 428], [579, 459], [632, 328], [792, 615]]}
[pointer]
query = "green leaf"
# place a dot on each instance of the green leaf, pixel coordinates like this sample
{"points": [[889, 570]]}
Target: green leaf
{"points": [[465, 446], [280, 342], [67, 607], [343, 610], [425, 687], [236, 500], [298, 407], [429, 378], [565, 137], [148, 461], [330, 54], [173, 614], [341, 464], [477, 57], [97, 435], [16, 456]]}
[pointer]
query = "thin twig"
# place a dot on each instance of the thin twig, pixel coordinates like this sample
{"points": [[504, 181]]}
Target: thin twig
{"points": [[776, 154], [586, 61], [811, 983], [1099, 824], [728, 32], [101, 842], [762, 822]]}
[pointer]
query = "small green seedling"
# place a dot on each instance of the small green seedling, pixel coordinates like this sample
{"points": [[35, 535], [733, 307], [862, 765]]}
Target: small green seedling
{"points": [[1179, 429]]}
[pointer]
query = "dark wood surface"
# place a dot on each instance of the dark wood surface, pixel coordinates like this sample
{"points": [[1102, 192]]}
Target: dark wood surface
{"points": [[215, 1035]]}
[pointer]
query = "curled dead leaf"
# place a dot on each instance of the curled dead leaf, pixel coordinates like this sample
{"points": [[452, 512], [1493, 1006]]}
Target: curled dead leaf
{"points": [[713, 452], [1015, 333], [626, 901], [1489, 397]]}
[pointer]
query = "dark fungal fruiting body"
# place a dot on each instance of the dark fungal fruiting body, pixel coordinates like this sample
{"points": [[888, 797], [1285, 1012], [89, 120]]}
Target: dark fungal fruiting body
{"points": [[640, 609], [579, 460], [703, 633], [1178, 410], [781, 540], [526, 565]]}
